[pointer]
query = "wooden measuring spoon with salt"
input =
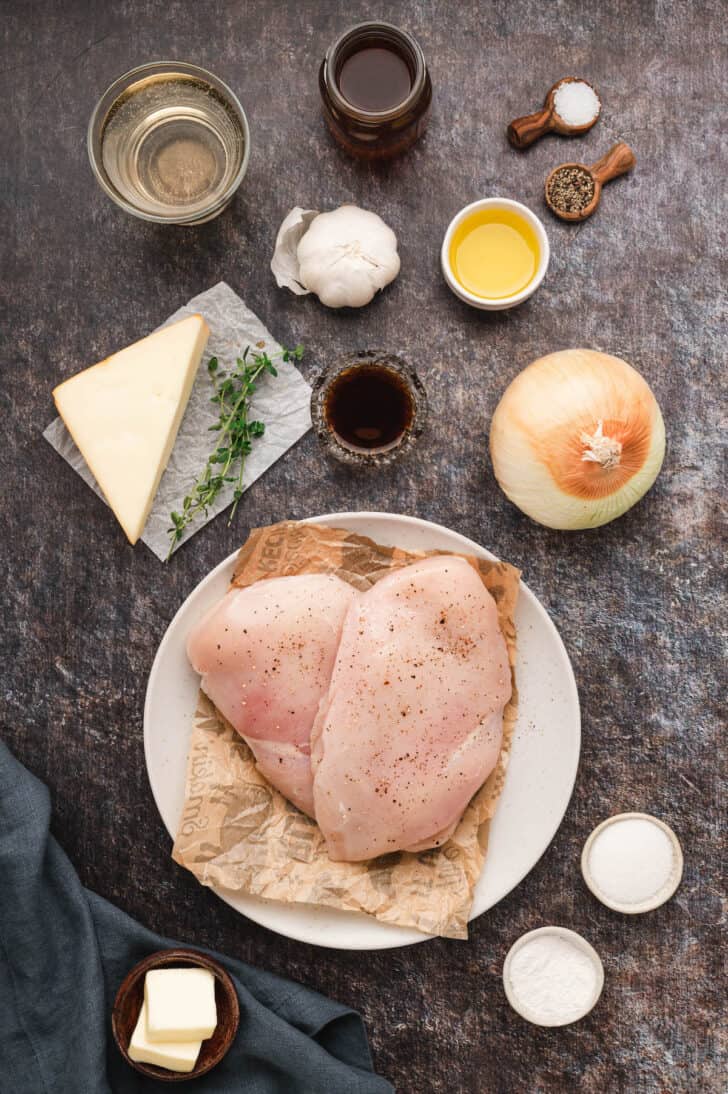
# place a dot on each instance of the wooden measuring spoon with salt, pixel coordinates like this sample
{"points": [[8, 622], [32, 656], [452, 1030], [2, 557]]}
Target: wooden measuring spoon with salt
{"points": [[524, 131], [573, 190]]}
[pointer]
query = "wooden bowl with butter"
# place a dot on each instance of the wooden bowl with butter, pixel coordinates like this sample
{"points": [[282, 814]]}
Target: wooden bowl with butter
{"points": [[130, 997]]}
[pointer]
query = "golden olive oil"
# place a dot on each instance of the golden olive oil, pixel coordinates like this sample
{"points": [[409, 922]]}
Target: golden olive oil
{"points": [[494, 253]]}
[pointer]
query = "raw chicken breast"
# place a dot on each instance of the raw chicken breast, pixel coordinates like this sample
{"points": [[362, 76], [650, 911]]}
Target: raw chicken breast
{"points": [[265, 654], [412, 723]]}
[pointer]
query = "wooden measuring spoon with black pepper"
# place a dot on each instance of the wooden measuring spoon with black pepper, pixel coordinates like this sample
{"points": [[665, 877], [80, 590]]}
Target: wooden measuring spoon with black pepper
{"points": [[524, 131], [573, 190]]}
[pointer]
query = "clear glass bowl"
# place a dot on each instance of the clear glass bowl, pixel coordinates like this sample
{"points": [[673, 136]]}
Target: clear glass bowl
{"points": [[326, 381], [169, 142]]}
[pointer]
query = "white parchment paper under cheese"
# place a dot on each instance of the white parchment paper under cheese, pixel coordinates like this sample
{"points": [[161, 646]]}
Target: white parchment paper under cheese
{"points": [[283, 403]]}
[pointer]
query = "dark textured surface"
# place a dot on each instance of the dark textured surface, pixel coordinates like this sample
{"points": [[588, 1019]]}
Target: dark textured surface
{"points": [[638, 602]]}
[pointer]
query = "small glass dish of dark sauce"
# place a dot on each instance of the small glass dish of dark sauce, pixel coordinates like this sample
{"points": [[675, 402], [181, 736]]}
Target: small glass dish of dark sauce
{"points": [[368, 408], [376, 90]]}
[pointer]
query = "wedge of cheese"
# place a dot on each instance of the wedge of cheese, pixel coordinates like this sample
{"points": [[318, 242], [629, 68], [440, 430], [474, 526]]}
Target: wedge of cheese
{"points": [[124, 414]]}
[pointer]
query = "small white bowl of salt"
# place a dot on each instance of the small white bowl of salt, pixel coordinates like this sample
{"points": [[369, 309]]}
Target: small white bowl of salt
{"points": [[552, 976], [632, 863]]}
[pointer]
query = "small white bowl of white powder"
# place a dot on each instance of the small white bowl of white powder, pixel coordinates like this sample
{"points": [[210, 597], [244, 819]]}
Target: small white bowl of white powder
{"points": [[632, 862], [552, 976]]}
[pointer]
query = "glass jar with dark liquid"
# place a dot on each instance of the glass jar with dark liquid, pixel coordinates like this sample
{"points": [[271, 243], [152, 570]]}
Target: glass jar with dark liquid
{"points": [[376, 90]]}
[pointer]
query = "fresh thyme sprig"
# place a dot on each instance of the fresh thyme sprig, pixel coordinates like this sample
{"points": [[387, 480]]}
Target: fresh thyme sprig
{"points": [[233, 390]]}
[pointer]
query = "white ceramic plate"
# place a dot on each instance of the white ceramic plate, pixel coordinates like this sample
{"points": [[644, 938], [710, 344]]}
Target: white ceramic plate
{"points": [[544, 757]]}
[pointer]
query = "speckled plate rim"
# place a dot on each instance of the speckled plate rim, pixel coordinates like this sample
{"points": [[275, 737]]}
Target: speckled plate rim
{"points": [[558, 932], [662, 895], [543, 762]]}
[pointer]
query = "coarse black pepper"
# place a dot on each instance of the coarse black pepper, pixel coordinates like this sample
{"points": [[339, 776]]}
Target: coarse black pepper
{"points": [[570, 189]]}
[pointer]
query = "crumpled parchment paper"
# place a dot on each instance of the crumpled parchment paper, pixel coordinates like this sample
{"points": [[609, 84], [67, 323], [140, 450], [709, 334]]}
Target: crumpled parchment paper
{"points": [[237, 832], [282, 402]]}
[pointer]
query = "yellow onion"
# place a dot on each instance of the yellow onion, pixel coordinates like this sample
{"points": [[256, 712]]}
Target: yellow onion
{"points": [[577, 439]]}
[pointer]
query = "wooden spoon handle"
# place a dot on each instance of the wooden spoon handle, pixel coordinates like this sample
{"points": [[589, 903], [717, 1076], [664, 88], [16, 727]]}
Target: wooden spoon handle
{"points": [[524, 131], [617, 161]]}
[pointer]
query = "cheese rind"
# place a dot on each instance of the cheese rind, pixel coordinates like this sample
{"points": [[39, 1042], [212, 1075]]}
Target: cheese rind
{"points": [[175, 1056], [124, 414], [180, 1004]]}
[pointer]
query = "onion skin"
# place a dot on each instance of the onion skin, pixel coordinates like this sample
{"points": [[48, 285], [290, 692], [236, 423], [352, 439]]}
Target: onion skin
{"points": [[577, 439]]}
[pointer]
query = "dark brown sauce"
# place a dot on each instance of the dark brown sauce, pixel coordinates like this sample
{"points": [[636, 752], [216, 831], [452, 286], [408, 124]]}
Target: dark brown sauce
{"points": [[369, 407], [375, 78]]}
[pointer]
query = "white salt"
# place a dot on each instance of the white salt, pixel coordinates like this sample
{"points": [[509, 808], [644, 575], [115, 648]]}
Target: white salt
{"points": [[576, 103], [631, 860], [553, 979]]}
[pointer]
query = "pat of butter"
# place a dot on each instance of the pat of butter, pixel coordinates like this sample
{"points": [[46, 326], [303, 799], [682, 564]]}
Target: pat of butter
{"points": [[180, 1004], [180, 1056]]}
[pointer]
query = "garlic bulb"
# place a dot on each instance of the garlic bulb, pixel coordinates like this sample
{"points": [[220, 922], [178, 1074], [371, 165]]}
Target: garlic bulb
{"points": [[577, 439], [344, 256]]}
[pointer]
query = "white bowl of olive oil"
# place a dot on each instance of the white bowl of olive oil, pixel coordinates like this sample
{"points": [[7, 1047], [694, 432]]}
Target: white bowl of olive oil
{"points": [[495, 254]]}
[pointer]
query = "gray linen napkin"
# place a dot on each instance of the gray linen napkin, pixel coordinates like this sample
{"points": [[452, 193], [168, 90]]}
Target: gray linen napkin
{"points": [[64, 952]]}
